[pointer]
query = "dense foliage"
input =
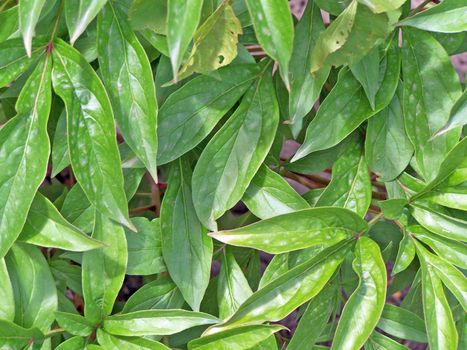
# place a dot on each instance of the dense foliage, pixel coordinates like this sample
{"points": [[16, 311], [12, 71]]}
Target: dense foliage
{"points": [[309, 168]]}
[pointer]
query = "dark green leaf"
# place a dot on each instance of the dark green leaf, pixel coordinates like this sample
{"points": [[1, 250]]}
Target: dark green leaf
{"points": [[104, 268], [74, 323], [25, 151], [402, 323], [113, 342], [235, 153], [127, 74], [186, 247], [91, 132], [364, 307], [13, 336]]}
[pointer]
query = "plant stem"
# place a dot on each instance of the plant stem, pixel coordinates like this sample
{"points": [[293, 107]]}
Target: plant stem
{"points": [[419, 7], [53, 332]]}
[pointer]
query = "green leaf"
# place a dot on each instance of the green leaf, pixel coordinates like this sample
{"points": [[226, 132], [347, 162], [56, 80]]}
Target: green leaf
{"points": [[379, 341], [452, 278], [14, 61], [366, 71], [453, 251], [439, 223], [104, 269], [388, 149], [364, 307], [232, 286], [79, 13], [273, 25], [25, 151], [60, 154], [239, 338], [270, 195], [144, 248], [451, 197], [182, 20], [192, 112], [297, 230], [113, 342], [350, 37], [402, 323], [378, 6], [314, 319], [405, 255], [278, 265], [440, 327], [214, 43], [7, 302], [155, 322], [74, 343], [159, 294], [305, 87], [350, 185], [235, 153], [91, 132], [127, 74], [431, 87], [450, 16], [28, 13], [393, 208], [457, 116], [347, 106], [33, 286], [151, 14], [13, 336], [283, 295], [74, 324], [185, 242], [9, 21], [46, 227]]}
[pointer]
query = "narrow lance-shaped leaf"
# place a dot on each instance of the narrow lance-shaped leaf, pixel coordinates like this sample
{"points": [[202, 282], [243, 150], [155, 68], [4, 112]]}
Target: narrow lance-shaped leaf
{"points": [[155, 322], [350, 185], [347, 106], [33, 286], [113, 342], [270, 195], [79, 13], [7, 302], [186, 247], [283, 295], [402, 323], [366, 71], [305, 87], [378, 6], [431, 87], [14, 61], [388, 149], [127, 74], [215, 42], [192, 111], [232, 286], [46, 227], [457, 117], [9, 20], [405, 254], [91, 133], [182, 19], [450, 16], [439, 322], [296, 230], [104, 269], [24, 152], [314, 319], [273, 25], [74, 323], [452, 278], [235, 153], [29, 12], [248, 337], [364, 307]]}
